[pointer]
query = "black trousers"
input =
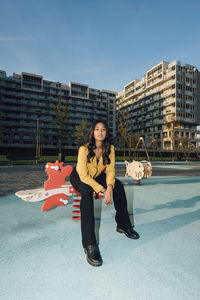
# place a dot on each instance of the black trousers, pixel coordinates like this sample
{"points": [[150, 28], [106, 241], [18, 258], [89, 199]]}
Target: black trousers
{"points": [[87, 206]]}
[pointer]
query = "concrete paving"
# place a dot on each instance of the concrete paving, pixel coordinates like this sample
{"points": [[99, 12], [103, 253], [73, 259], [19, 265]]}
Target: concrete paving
{"points": [[41, 257], [15, 178]]}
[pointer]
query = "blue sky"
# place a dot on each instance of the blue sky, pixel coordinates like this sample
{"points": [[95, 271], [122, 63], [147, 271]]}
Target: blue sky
{"points": [[104, 44]]}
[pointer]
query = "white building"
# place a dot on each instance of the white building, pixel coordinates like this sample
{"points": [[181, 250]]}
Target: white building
{"points": [[164, 104]]}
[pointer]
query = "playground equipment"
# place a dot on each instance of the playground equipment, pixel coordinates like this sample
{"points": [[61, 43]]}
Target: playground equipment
{"points": [[135, 170], [55, 191], [154, 146], [179, 147], [138, 170], [186, 150], [193, 148]]}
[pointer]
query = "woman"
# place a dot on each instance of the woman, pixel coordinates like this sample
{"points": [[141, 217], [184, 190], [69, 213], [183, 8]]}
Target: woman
{"points": [[95, 157]]}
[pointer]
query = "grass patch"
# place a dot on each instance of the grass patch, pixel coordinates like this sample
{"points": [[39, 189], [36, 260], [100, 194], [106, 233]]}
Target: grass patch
{"points": [[73, 159], [4, 161], [45, 159]]}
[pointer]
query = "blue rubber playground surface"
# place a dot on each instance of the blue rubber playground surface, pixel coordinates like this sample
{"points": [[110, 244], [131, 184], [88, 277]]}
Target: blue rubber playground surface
{"points": [[41, 257]]}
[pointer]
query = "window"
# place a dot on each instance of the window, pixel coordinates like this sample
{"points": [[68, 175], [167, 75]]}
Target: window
{"points": [[164, 134], [167, 144]]}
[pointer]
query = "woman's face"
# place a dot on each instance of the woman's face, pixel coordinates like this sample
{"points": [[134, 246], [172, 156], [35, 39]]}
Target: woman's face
{"points": [[99, 132]]}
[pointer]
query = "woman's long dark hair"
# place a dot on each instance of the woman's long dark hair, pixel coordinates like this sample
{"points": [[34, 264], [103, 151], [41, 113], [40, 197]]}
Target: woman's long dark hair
{"points": [[90, 141]]}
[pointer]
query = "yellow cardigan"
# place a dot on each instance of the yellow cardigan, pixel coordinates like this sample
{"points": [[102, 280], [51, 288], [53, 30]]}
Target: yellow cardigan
{"points": [[88, 171]]}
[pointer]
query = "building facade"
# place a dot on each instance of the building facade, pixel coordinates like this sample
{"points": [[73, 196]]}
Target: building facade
{"points": [[164, 106], [26, 106]]}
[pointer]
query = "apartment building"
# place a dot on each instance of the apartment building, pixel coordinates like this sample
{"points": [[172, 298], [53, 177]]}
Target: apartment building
{"points": [[164, 106], [26, 103]]}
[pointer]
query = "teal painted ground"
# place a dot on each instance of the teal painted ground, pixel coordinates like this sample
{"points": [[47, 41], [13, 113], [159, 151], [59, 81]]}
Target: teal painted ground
{"points": [[41, 257]]}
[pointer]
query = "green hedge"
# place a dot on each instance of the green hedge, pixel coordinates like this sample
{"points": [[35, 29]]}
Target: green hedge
{"points": [[72, 159], [4, 161], [45, 159]]}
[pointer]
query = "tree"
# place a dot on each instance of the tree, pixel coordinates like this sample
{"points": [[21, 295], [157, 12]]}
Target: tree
{"points": [[132, 141], [60, 123], [81, 132], [123, 129]]}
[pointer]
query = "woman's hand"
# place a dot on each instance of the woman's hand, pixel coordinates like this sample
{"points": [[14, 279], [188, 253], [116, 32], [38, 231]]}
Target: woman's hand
{"points": [[108, 195]]}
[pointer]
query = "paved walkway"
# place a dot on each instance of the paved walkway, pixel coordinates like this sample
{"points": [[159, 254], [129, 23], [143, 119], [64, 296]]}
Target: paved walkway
{"points": [[15, 178]]}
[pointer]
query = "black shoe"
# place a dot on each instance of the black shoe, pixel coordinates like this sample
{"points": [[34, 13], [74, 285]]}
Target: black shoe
{"points": [[129, 232], [93, 255]]}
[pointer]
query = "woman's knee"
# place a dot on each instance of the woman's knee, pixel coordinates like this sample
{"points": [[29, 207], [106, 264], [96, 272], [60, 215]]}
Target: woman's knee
{"points": [[86, 190], [119, 187]]}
